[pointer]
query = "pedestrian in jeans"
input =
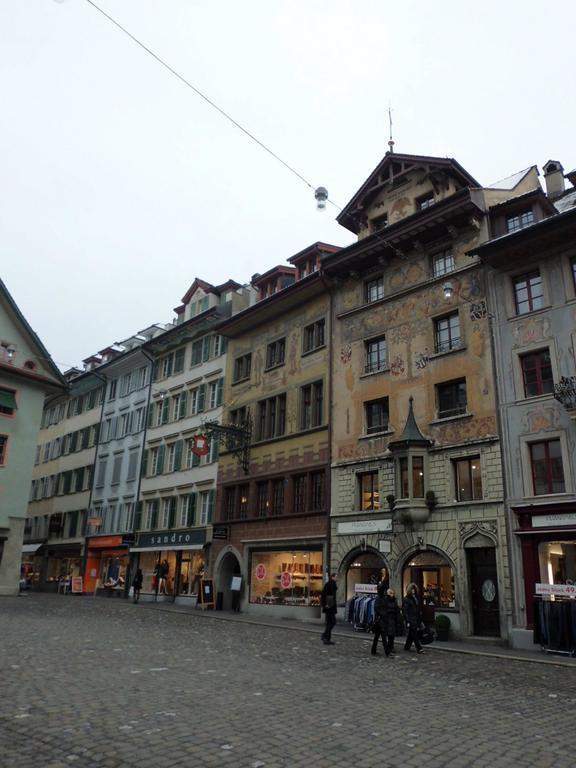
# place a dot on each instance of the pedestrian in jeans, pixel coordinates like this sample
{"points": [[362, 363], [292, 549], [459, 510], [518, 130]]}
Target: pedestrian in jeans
{"points": [[413, 617], [137, 584], [328, 603], [387, 619]]}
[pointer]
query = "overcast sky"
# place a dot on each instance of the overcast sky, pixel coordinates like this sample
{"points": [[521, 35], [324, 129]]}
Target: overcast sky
{"points": [[118, 185]]}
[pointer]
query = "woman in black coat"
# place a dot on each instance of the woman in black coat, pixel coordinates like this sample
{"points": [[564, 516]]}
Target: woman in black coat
{"points": [[387, 619], [412, 611]]}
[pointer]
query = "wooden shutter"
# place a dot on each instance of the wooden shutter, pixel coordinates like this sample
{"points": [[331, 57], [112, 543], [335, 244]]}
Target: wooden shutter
{"points": [[183, 405], [201, 398], [160, 462], [165, 410], [219, 392], [172, 512], [179, 360], [211, 499], [144, 463], [154, 515], [178, 455]]}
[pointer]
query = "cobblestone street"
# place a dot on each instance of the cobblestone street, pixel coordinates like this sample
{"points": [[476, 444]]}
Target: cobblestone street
{"points": [[91, 682]]}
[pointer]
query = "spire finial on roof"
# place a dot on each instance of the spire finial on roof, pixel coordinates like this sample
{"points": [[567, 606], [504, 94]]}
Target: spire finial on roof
{"points": [[411, 436], [390, 140]]}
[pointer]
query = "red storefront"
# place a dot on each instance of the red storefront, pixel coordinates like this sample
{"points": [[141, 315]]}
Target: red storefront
{"points": [[547, 534], [107, 559]]}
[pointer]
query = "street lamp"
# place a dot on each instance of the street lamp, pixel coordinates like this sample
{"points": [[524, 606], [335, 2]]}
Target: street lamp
{"points": [[321, 195], [448, 289]]}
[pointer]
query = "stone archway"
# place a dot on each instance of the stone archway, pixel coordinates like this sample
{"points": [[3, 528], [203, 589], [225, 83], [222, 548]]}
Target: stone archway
{"points": [[362, 565], [228, 567]]}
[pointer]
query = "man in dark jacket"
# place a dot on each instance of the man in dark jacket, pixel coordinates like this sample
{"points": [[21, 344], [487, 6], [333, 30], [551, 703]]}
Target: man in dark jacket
{"points": [[413, 617], [328, 603]]}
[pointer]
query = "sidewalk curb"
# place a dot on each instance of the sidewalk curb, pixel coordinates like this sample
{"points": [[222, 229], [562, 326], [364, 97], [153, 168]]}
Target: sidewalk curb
{"points": [[357, 636]]}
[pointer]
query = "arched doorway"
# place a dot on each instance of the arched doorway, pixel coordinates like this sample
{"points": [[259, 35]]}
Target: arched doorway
{"points": [[365, 567], [433, 574], [228, 568]]}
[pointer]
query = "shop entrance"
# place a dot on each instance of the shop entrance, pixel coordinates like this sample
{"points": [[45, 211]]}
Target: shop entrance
{"points": [[229, 567], [365, 568], [484, 591]]}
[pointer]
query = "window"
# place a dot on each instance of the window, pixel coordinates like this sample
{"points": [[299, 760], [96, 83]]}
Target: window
{"points": [[138, 421], [404, 480], [3, 449], [278, 497], [206, 507], [528, 292], [376, 416], [242, 367], [311, 398], [238, 416], [271, 417], [101, 476], [452, 399], [187, 511], [369, 491], [275, 353], [216, 390], [169, 512], [299, 490], [116, 469], [179, 360], [381, 222], [262, 499], [7, 402], [537, 373], [314, 335], [219, 345], [376, 355], [317, 491], [468, 479], [112, 389], [375, 289], [132, 465], [291, 578], [243, 499], [171, 457], [519, 221], [573, 267], [435, 575], [547, 469], [442, 263], [417, 477], [125, 384], [447, 333], [197, 399], [151, 519], [425, 201]]}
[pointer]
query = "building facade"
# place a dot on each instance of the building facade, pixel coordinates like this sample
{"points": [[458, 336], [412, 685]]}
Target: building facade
{"points": [[531, 269], [27, 376], [272, 513], [417, 490]]}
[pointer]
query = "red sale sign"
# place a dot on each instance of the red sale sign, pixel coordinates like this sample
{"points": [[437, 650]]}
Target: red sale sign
{"points": [[286, 580], [260, 572]]}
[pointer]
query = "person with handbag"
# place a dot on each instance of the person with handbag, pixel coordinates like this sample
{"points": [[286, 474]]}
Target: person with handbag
{"points": [[413, 617], [329, 607], [387, 619]]}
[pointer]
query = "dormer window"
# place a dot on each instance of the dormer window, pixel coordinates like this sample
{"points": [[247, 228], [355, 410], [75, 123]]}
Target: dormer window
{"points": [[425, 201], [519, 221]]}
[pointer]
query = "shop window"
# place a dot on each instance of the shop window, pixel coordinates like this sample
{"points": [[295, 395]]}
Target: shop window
{"points": [[374, 289], [528, 292], [291, 578], [519, 221], [376, 416], [275, 353], [314, 336], [366, 568], [547, 469], [447, 333], [242, 367], [369, 491], [433, 575], [191, 571], [557, 562], [311, 405], [452, 399], [271, 417], [8, 405], [537, 373], [376, 356], [442, 263], [468, 479]]}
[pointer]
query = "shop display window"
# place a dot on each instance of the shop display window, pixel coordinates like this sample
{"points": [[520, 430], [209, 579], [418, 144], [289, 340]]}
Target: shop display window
{"points": [[366, 568], [434, 577], [158, 570], [61, 567], [191, 571], [113, 571], [286, 578], [557, 562]]}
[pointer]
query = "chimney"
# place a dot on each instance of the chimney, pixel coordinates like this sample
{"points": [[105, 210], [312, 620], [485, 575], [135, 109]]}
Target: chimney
{"points": [[554, 179]]}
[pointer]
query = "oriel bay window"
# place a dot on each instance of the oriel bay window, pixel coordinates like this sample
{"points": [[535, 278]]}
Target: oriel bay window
{"points": [[547, 468], [468, 479], [311, 408], [537, 373], [271, 417], [411, 477], [369, 491]]}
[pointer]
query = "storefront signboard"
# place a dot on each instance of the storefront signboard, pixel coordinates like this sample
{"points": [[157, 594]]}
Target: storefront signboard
{"points": [[236, 585], [260, 572], [220, 532], [77, 585], [285, 579], [558, 590], [368, 589], [365, 526], [206, 593], [171, 539], [549, 521]]}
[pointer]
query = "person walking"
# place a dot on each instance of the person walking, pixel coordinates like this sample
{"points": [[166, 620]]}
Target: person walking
{"points": [[413, 617], [329, 607], [137, 584], [387, 619]]}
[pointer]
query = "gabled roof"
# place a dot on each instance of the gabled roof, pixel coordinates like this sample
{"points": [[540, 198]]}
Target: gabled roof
{"points": [[310, 250], [279, 269], [209, 288], [512, 181], [390, 170], [57, 378]]}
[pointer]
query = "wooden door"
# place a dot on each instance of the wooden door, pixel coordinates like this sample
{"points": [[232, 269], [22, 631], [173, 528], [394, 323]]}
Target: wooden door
{"points": [[484, 591]]}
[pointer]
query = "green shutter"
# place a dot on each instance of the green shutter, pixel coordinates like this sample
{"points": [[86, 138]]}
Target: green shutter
{"points": [[219, 392], [215, 449], [172, 512], [144, 463], [211, 499], [154, 516], [183, 405], [150, 417], [165, 410], [138, 516], [193, 499], [160, 462], [206, 348], [195, 460], [201, 398], [179, 360], [178, 455], [197, 352]]}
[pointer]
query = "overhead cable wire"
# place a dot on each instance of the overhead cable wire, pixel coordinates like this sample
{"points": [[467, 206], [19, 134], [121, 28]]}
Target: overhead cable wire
{"points": [[203, 96]]}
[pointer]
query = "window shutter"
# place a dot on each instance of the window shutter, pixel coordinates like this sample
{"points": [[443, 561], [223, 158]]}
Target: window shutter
{"points": [[172, 512], [179, 360], [206, 348], [165, 410], [160, 462], [196, 352], [154, 515], [223, 344], [144, 463], [150, 417], [138, 516], [201, 398], [183, 405], [211, 498], [178, 455], [192, 514], [215, 449], [155, 370], [195, 460], [219, 392]]}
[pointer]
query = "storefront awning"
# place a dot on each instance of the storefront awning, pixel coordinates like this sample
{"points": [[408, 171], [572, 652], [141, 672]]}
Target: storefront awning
{"points": [[31, 547]]}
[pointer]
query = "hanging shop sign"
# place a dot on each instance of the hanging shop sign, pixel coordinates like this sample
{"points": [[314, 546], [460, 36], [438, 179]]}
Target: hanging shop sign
{"points": [[95, 522], [550, 521], [220, 532], [171, 539], [200, 445], [558, 590], [365, 526]]}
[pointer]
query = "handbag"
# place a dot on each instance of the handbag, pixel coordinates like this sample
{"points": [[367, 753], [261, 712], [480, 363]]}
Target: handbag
{"points": [[426, 636], [330, 602]]}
